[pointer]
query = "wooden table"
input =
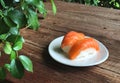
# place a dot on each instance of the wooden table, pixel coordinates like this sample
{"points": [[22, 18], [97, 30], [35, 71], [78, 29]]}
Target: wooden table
{"points": [[100, 23]]}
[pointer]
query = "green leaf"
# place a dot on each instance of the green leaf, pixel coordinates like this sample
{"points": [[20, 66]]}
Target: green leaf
{"points": [[41, 8], [14, 30], [54, 7], [33, 2], [2, 3], [27, 63], [2, 73], [15, 38], [17, 17], [4, 36], [39, 5], [33, 19], [7, 48], [13, 55], [7, 66], [16, 0], [95, 2], [24, 6], [117, 4], [11, 38], [18, 45], [9, 22], [16, 69], [1, 13], [3, 27], [20, 38], [87, 2]]}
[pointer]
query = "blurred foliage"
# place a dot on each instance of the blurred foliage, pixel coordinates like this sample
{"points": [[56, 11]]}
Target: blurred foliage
{"points": [[110, 3], [15, 15], [103, 3]]}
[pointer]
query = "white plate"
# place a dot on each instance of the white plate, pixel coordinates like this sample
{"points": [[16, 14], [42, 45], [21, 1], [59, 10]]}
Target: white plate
{"points": [[58, 55]]}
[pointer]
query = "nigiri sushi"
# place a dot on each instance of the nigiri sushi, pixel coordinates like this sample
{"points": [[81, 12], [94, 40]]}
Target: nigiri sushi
{"points": [[70, 39], [76, 45], [85, 47]]}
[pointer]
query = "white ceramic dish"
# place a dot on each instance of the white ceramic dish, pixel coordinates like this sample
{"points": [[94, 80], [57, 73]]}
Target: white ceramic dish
{"points": [[58, 55]]}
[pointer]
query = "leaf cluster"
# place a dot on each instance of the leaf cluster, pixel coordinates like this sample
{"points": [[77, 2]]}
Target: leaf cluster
{"points": [[15, 15], [103, 3], [110, 3], [87, 2]]}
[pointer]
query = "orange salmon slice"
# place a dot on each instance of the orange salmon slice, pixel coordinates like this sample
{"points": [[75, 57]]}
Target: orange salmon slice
{"points": [[82, 45], [70, 39]]}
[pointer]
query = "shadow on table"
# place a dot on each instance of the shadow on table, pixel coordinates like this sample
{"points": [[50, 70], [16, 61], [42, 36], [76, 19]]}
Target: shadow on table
{"points": [[5, 81], [48, 61]]}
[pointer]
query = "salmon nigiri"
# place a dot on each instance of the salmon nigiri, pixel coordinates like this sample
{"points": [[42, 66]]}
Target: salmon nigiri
{"points": [[85, 47], [70, 39]]}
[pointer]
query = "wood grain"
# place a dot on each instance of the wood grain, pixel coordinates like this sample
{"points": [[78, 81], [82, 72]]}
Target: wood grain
{"points": [[100, 23]]}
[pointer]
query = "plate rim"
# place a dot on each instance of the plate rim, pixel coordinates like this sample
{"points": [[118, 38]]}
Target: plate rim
{"points": [[98, 62]]}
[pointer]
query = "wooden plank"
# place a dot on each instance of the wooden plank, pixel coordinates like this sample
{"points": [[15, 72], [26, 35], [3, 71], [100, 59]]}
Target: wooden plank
{"points": [[101, 23]]}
